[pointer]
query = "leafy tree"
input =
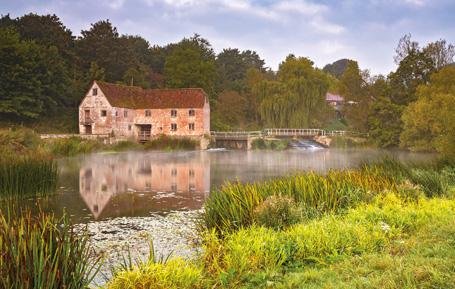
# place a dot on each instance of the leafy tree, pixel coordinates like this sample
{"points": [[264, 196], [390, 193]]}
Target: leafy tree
{"points": [[429, 122], [232, 66], [231, 107], [415, 65], [101, 44], [33, 79], [354, 88], [47, 30], [384, 122], [139, 76], [191, 63]]}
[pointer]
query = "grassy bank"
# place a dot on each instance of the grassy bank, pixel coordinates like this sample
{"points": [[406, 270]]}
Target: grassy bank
{"points": [[25, 141], [385, 225]]}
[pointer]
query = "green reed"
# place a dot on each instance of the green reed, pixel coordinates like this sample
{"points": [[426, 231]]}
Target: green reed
{"points": [[232, 206], [22, 176], [43, 252]]}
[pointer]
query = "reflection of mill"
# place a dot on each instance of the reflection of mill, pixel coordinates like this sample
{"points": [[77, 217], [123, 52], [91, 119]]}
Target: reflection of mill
{"points": [[124, 184]]}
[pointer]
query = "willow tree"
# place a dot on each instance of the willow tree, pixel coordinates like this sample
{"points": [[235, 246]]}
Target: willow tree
{"points": [[297, 98]]}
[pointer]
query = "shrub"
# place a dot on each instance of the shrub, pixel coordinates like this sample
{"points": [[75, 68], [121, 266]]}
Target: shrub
{"points": [[27, 175], [277, 212], [43, 252]]}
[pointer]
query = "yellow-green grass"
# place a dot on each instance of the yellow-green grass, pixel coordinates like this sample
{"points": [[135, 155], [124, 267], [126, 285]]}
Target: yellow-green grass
{"points": [[390, 242]]}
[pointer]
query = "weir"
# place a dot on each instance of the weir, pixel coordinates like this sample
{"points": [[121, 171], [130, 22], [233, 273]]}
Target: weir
{"points": [[244, 139]]}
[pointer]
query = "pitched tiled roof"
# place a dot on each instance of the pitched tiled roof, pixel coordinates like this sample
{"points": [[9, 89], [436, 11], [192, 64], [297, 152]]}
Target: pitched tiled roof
{"points": [[138, 98], [333, 97]]}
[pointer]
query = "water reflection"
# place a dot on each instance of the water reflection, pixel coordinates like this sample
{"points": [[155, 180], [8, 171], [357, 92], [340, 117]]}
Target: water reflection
{"points": [[127, 184], [101, 186]]}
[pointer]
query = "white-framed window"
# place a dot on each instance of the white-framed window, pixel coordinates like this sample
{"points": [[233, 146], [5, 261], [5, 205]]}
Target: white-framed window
{"points": [[191, 112], [103, 113], [148, 113], [125, 113], [191, 126], [173, 113], [95, 91], [173, 127]]}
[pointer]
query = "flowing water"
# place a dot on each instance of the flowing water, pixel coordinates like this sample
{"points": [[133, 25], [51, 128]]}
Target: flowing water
{"points": [[131, 184]]}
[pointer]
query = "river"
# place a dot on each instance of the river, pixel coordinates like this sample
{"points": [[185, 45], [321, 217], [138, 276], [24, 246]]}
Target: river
{"points": [[102, 186]]}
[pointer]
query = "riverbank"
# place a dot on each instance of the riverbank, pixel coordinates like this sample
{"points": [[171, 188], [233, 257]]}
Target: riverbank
{"points": [[385, 225], [26, 141]]}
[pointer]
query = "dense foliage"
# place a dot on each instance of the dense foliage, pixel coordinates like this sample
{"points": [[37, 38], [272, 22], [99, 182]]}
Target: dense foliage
{"points": [[46, 71]]}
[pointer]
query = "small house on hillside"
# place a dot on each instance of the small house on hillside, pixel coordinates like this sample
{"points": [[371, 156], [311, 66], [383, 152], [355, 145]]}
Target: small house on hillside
{"points": [[334, 100], [133, 112]]}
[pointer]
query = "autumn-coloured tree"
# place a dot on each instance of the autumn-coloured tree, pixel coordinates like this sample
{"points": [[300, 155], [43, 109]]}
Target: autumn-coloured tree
{"points": [[429, 122]]}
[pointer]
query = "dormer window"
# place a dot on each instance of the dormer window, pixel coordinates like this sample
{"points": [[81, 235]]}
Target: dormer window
{"points": [[191, 112], [95, 91]]}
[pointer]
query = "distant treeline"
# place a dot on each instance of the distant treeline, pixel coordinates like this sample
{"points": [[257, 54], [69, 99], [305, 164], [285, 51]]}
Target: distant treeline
{"points": [[46, 69]]}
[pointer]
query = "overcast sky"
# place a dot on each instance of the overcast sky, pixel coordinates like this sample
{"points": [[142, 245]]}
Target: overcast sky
{"points": [[324, 31]]}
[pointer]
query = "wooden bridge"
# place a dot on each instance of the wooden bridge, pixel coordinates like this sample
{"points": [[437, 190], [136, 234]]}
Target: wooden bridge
{"points": [[243, 139]]}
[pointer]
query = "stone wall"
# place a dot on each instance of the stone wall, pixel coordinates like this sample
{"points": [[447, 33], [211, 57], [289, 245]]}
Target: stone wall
{"points": [[97, 114]]}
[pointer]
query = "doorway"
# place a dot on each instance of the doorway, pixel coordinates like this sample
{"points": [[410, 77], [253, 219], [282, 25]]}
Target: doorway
{"points": [[145, 132], [88, 129]]}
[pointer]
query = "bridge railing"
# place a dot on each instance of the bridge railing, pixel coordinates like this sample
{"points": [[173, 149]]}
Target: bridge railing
{"points": [[273, 132], [293, 132]]}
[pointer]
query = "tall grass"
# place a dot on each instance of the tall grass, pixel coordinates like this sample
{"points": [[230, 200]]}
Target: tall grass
{"points": [[43, 252], [164, 142], [23, 176], [66, 147], [434, 178], [232, 206]]}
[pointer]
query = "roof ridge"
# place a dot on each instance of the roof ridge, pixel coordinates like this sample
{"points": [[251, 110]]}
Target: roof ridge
{"points": [[145, 89]]}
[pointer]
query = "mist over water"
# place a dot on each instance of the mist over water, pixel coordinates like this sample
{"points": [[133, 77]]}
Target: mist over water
{"points": [[101, 186]]}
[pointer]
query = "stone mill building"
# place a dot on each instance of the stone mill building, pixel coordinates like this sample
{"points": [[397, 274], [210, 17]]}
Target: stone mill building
{"points": [[130, 112]]}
